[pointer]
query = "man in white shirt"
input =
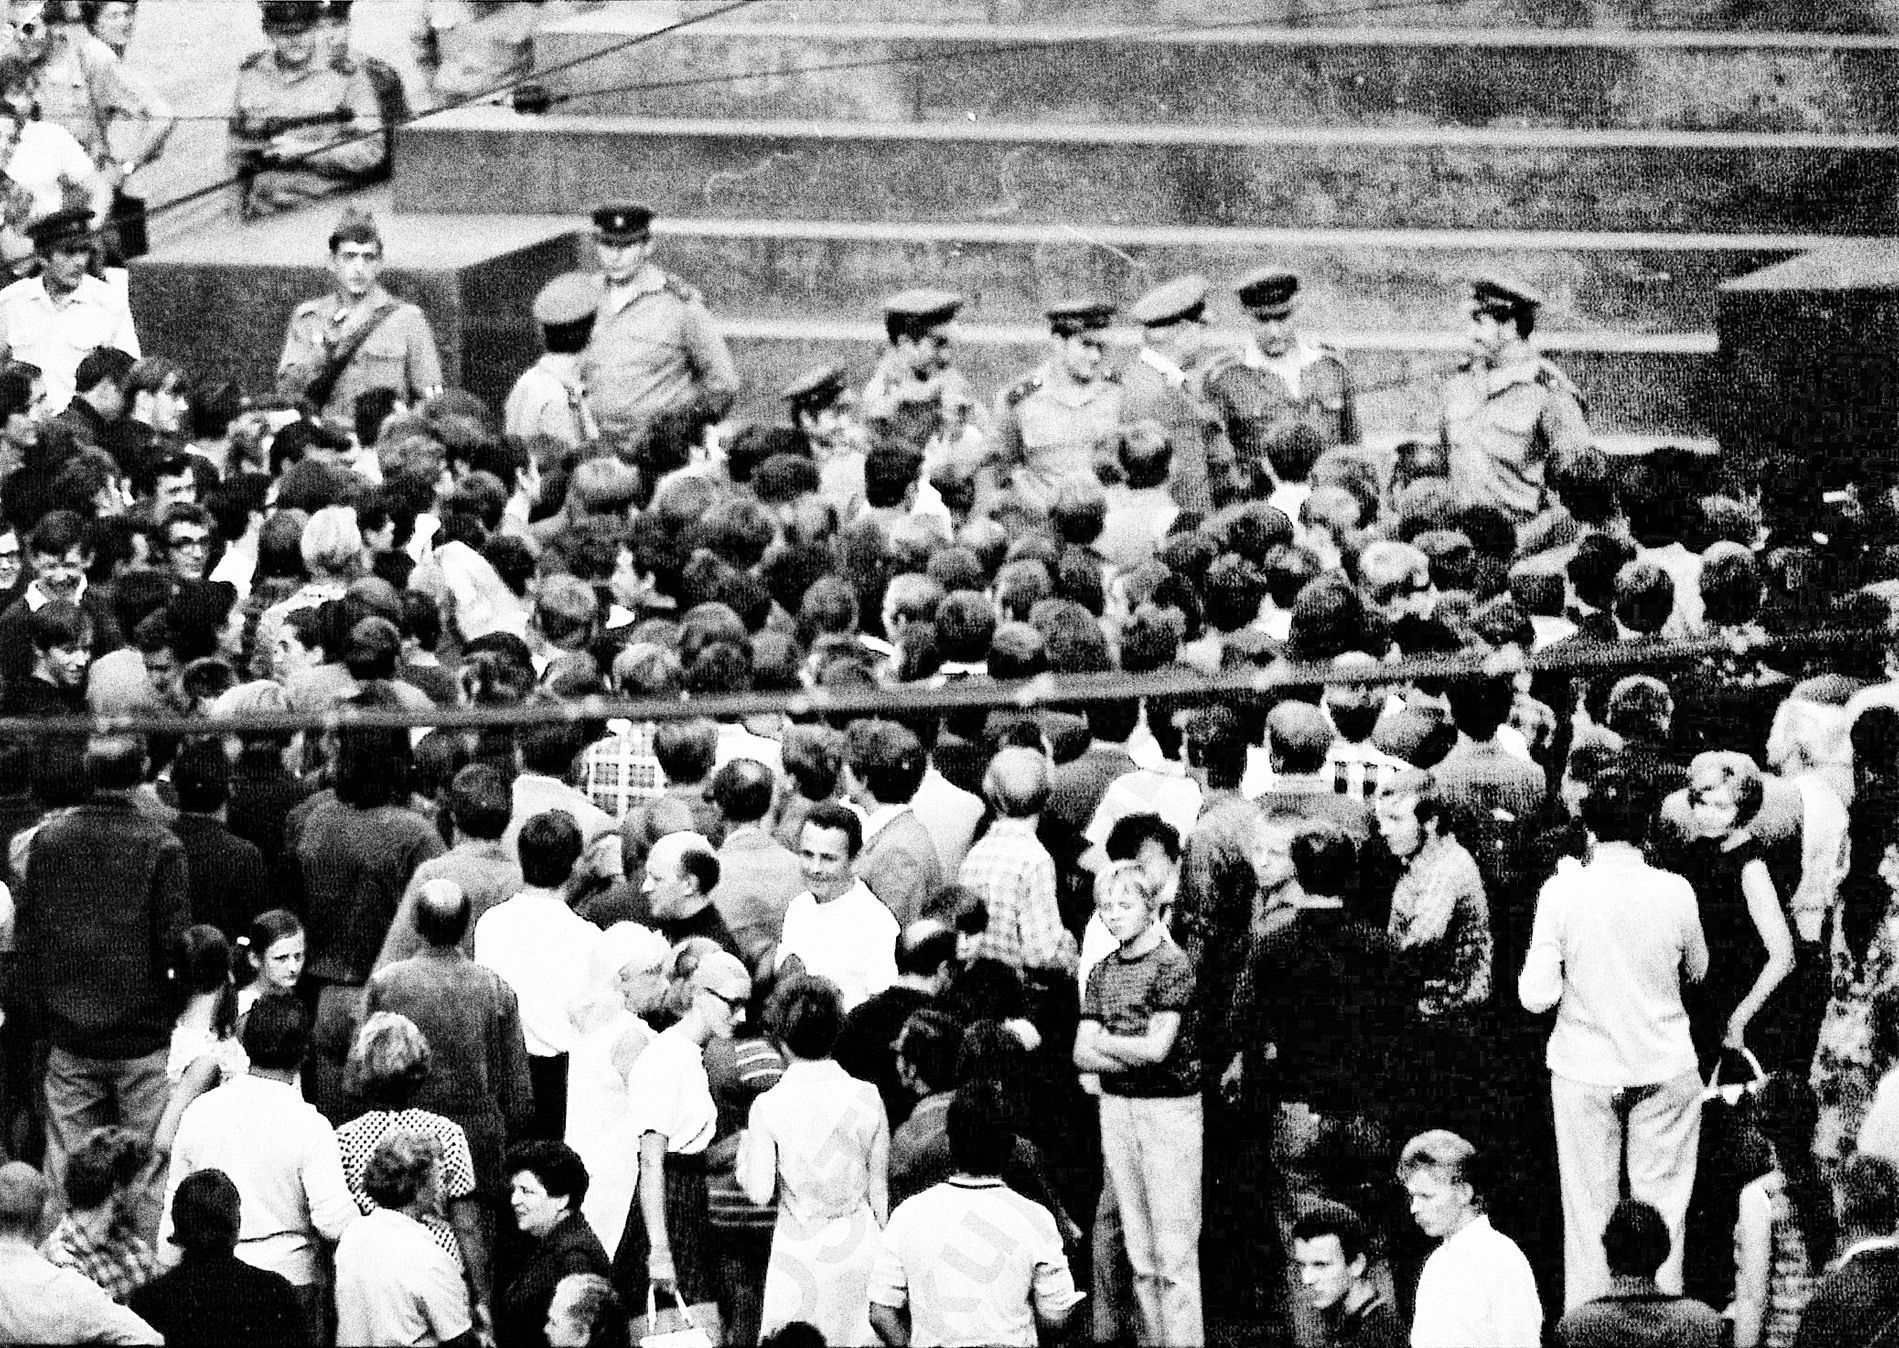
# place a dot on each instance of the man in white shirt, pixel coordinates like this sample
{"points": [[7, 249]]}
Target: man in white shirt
{"points": [[1613, 940], [279, 1151], [969, 1259], [52, 320], [838, 929], [543, 949], [1476, 1290]]}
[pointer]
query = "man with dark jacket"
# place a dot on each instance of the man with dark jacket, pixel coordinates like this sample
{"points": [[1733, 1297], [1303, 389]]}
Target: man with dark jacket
{"points": [[104, 895], [213, 1296], [1856, 1304], [227, 880]]}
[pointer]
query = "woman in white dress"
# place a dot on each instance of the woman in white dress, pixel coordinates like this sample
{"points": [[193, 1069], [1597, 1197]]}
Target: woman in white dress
{"points": [[204, 1047], [819, 1139], [628, 981]]}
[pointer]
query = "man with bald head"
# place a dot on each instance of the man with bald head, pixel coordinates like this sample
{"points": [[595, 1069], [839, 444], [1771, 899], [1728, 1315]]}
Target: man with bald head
{"points": [[1013, 873], [757, 873], [40, 1302], [471, 1019]]}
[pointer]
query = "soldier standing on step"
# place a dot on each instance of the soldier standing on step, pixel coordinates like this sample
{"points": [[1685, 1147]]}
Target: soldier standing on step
{"points": [[1048, 423], [1508, 415], [358, 337], [549, 400], [915, 397], [655, 350], [1311, 380], [302, 126], [1215, 409]]}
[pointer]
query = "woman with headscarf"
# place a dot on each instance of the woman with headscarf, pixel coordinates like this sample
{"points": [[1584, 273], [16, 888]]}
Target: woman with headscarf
{"points": [[629, 982]]}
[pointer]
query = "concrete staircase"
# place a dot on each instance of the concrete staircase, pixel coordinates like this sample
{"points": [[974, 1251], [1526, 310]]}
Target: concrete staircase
{"points": [[809, 157]]}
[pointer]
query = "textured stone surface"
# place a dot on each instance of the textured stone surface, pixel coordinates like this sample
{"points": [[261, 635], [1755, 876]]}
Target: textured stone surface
{"points": [[492, 160], [1829, 16], [1341, 78], [1352, 280]]}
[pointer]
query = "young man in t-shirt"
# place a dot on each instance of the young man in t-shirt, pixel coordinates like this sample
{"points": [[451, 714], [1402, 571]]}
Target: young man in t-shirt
{"points": [[1133, 1036]]}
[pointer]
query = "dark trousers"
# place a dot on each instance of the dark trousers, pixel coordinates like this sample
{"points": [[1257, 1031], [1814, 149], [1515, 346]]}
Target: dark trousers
{"points": [[548, 1076]]}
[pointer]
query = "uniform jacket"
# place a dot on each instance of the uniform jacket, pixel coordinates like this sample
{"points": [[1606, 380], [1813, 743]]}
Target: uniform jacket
{"points": [[657, 352], [399, 354], [1504, 427], [345, 149], [1047, 426], [1316, 388]]}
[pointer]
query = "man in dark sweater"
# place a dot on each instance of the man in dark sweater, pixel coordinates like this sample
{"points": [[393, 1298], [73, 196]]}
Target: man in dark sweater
{"points": [[104, 896], [227, 878], [1333, 1256], [1856, 1304], [1637, 1313], [867, 1048], [213, 1297]]}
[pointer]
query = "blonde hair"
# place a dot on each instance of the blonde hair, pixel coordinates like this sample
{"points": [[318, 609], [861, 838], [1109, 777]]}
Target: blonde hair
{"points": [[1124, 875], [332, 542]]}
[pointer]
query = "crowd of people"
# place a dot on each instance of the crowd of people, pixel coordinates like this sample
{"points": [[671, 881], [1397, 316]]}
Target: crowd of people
{"points": [[1275, 997]]}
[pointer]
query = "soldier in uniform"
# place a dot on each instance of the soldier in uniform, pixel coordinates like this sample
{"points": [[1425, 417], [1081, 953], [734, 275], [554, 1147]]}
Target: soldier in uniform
{"points": [[1048, 424], [823, 411], [550, 398], [1507, 414], [359, 336], [1212, 406], [1312, 383], [655, 351], [915, 397], [302, 126]]}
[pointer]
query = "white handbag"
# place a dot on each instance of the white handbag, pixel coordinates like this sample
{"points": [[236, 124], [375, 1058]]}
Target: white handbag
{"points": [[681, 1328]]}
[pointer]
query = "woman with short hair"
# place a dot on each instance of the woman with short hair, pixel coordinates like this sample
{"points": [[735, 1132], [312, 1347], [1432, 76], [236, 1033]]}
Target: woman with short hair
{"points": [[387, 1065], [818, 1138], [547, 1183], [394, 1284]]}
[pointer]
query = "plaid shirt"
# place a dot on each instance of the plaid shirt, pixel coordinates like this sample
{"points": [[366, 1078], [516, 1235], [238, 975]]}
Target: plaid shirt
{"points": [[620, 771], [1015, 876], [120, 1261], [1438, 912]]}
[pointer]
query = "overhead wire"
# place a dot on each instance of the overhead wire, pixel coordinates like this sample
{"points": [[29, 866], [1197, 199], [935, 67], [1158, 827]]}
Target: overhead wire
{"points": [[1047, 691]]}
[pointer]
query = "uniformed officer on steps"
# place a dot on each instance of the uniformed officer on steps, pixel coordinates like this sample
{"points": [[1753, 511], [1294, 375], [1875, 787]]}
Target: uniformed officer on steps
{"points": [[302, 126], [916, 398], [1507, 416], [1310, 378], [655, 351], [1048, 423], [549, 400], [1214, 408], [358, 337]]}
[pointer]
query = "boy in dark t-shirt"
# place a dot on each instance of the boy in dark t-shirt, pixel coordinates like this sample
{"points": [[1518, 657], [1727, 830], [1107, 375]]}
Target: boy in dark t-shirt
{"points": [[1135, 1036]]}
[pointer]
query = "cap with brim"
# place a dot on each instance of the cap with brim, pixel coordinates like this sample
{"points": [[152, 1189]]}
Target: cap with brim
{"points": [[1074, 317], [61, 228], [1503, 298], [291, 16], [622, 222], [568, 300], [1268, 292], [923, 308], [815, 389], [1177, 301]]}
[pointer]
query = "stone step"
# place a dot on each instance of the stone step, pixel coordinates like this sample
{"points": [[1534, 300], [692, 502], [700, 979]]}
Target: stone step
{"points": [[1092, 72], [493, 159], [1645, 385], [1832, 16], [1355, 279]]}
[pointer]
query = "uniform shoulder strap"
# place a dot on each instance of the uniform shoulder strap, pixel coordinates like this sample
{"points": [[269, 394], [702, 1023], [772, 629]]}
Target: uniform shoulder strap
{"points": [[679, 290], [1021, 389]]}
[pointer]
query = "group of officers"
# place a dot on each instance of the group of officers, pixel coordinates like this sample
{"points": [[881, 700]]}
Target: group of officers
{"points": [[631, 352]]}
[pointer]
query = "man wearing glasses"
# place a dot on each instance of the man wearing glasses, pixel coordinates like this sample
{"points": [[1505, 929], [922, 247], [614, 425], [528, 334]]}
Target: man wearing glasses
{"points": [[185, 538]]}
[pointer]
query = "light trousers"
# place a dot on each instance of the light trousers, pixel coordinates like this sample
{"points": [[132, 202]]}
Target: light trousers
{"points": [[1638, 1141], [1152, 1148]]}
